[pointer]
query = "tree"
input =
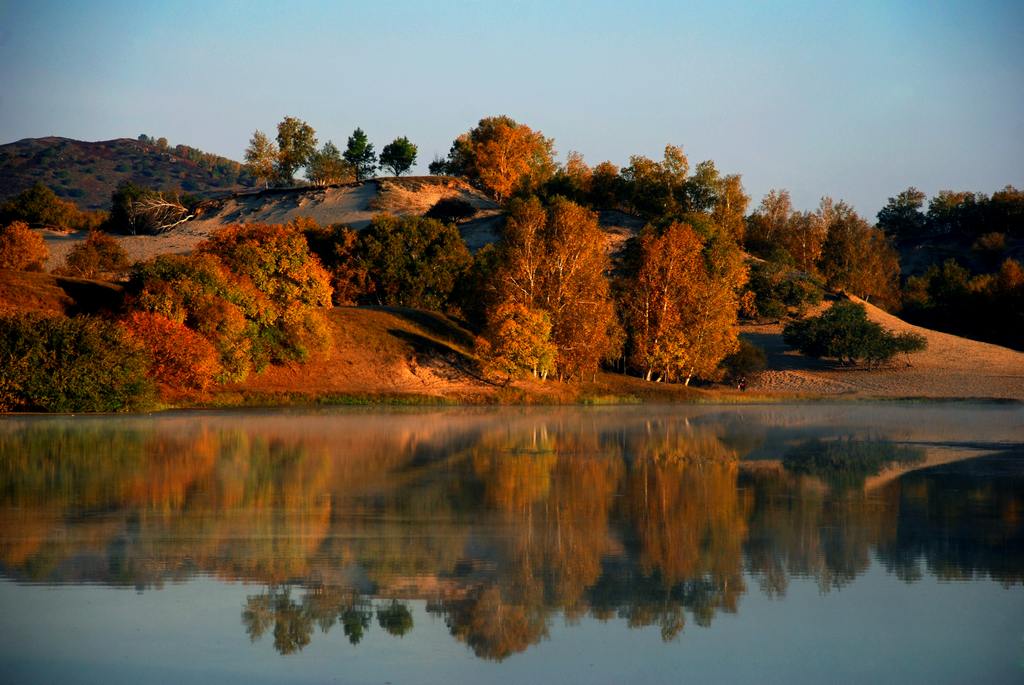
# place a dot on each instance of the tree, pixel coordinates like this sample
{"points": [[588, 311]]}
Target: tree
{"points": [[398, 156], [901, 218], [553, 260], [137, 210], [680, 307], [21, 249], [518, 341], [359, 153], [327, 166], [845, 333], [658, 189], [181, 359], [261, 158], [730, 207], [859, 258], [412, 261], [502, 156], [769, 220], [296, 143]]}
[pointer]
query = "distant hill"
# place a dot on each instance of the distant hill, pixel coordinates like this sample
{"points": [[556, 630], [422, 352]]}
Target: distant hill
{"points": [[88, 173]]}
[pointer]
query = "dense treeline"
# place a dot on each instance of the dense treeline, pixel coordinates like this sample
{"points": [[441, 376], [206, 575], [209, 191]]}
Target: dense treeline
{"points": [[548, 300]]}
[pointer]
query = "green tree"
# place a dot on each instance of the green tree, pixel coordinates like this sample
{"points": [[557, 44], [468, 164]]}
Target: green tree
{"points": [[901, 218], [261, 158], [398, 156], [413, 261], [360, 154], [296, 143]]}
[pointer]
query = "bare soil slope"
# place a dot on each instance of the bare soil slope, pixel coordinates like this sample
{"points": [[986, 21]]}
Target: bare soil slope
{"points": [[353, 204], [951, 366]]}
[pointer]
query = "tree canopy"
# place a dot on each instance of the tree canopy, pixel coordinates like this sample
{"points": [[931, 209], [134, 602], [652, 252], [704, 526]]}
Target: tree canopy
{"points": [[398, 156], [360, 154]]}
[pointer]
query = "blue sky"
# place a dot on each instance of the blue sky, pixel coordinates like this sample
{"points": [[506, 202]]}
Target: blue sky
{"points": [[855, 100]]}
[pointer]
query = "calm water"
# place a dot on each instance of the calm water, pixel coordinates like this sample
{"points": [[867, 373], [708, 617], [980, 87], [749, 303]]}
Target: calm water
{"points": [[857, 543]]}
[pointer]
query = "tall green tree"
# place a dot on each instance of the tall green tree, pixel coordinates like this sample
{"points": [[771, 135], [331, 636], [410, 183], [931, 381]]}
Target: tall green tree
{"points": [[398, 156], [296, 143], [360, 154]]}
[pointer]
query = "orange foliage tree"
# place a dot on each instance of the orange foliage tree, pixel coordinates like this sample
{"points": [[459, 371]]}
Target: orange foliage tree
{"points": [[553, 260], [503, 157], [680, 306], [21, 249]]}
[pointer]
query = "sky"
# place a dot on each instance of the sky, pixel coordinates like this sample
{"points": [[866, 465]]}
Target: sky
{"points": [[854, 100]]}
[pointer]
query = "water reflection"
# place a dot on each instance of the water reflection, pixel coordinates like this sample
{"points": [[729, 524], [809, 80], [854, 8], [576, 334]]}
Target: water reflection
{"points": [[502, 521]]}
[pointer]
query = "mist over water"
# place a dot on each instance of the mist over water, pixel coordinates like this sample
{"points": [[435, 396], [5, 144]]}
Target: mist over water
{"points": [[613, 544]]}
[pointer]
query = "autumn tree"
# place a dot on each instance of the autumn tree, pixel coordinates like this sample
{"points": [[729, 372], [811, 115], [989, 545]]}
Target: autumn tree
{"points": [[680, 306], [327, 166], [553, 260], [412, 261], [859, 259], [40, 206], [360, 154], [502, 157], [605, 185], [21, 249], [261, 158], [398, 156], [730, 207], [518, 341], [296, 143]]}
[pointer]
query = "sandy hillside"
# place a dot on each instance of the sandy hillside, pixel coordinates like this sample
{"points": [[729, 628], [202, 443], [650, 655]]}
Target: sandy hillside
{"points": [[353, 204], [950, 367]]}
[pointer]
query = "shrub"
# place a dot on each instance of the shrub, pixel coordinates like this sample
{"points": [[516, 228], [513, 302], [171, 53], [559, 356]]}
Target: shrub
{"points": [[747, 360], [198, 292], [337, 249], [181, 358], [21, 249], [845, 333], [52, 363], [98, 255], [40, 206], [451, 210], [413, 261]]}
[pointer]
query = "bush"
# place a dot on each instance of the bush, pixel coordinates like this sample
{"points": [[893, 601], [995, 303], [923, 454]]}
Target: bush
{"points": [[413, 261], [780, 290], [451, 210], [40, 206], [182, 359], [21, 249], [80, 364], [99, 255], [745, 361], [845, 333]]}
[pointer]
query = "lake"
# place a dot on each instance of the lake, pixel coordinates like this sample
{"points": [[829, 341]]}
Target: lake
{"points": [[840, 543]]}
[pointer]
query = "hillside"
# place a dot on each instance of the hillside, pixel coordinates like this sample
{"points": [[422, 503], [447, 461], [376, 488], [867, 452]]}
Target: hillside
{"points": [[951, 366], [393, 353], [88, 172], [353, 204]]}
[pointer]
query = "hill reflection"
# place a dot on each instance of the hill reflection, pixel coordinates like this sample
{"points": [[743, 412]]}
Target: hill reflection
{"points": [[500, 521]]}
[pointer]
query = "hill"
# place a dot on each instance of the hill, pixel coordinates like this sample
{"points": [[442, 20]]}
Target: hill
{"points": [[353, 204], [384, 353], [88, 172], [951, 366]]}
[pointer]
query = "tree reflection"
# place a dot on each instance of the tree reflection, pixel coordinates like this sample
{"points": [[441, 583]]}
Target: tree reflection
{"points": [[500, 527]]}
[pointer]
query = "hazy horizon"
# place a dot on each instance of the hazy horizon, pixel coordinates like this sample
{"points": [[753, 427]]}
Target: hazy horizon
{"points": [[853, 102]]}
